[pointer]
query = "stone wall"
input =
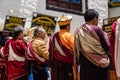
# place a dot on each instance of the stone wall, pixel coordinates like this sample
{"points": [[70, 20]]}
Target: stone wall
{"points": [[101, 6]]}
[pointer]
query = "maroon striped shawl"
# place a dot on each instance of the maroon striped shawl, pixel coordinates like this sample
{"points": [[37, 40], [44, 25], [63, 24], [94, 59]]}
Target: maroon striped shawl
{"points": [[63, 55]]}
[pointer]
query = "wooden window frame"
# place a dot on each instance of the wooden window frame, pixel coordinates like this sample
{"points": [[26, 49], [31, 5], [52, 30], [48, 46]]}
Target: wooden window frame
{"points": [[58, 5], [113, 1]]}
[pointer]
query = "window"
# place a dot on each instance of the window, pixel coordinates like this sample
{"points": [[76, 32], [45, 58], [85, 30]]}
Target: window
{"points": [[70, 6], [76, 1], [114, 0]]}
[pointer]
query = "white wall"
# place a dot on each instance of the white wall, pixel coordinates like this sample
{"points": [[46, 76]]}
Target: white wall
{"points": [[5, 5], [101, 6], [114, 12]]}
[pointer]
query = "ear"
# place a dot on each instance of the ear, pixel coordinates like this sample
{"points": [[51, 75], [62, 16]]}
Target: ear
{"points": [[94, 19], [37, 34]]}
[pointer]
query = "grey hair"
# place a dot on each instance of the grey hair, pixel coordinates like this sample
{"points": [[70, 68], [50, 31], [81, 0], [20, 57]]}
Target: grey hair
{"points": [[40, 30], [18, 30]]}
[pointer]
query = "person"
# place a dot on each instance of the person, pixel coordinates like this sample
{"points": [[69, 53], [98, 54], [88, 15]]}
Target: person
{"points": [[3, 39], [114, 46], [3, 35], [61, 46], [38, 55], [91, 48], [14, 55], [3, 75]]}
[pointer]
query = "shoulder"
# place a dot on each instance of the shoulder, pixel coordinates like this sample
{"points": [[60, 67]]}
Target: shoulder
{"points": [[18, 41], [98, 28], [38, 42], [78, 29], [68, 35]]}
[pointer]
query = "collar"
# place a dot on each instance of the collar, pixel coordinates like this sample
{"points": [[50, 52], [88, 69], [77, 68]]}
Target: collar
{"points": [[63, 30]]}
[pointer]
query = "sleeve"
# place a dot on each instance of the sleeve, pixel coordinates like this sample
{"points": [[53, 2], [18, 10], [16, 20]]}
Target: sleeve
{"points": [[76, 54], [71, 42], [42, 49], [103, 40], [4, 50], [112, 42], [51, 47], [112, 38], [76, 47]]}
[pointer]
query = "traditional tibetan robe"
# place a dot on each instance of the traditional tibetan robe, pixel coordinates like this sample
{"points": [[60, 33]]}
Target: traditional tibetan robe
{"points": [[61, 55], [37, 56], [14, 55], [91, 45]]}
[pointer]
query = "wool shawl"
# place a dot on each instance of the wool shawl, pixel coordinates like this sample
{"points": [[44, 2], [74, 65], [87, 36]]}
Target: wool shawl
{"points": [[90, 39]]}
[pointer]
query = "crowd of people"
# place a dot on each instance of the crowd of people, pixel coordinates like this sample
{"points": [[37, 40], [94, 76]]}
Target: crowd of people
{"points": [[89, 54]]}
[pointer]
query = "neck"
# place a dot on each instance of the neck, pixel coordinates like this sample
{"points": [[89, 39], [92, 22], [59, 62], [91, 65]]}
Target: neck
{"points": [[19, 37], [89, 23]]}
